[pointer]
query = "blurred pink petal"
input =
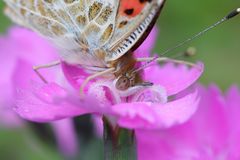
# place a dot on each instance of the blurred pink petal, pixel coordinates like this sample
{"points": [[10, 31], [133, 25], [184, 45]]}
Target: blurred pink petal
{"points": [[233, 111], [146, 115], [212, 133], [151, 146], [212, 108], [29, 46], [66, 137], [48, 103], [8, 118], [74, 74], [20, 50], [98, 125]]}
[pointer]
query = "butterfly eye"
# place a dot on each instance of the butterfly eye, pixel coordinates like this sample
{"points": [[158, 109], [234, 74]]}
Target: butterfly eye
{"points": [[123, 83]]}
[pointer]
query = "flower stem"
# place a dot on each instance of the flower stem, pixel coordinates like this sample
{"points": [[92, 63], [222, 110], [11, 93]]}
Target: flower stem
{"points": [[118, 143]]}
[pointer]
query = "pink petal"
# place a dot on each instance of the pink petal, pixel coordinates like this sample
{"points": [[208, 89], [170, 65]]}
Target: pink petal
{"points": [[106, 94], [23, 45], [140, 115], [212, 108], [7, 59], [98, 125], [154, 93], [170, 144], [233, 112], [233, 108], [48, 103], [8, 118], [173, 78], [152, 146], [23, 74], [211, 133], [75, 75], [31, 47]]}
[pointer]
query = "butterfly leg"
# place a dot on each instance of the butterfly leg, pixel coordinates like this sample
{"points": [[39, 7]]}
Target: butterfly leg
{"points": [[93, 76], [37, 68], [165, 59]]}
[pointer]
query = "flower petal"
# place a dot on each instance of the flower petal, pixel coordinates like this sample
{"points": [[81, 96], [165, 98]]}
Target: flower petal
{"points": [[211, 133], [212, 107], [152, 146], [106, 95], [233, 108], [155, 94], [98, 125], [31, 47], [75, 75], [233, 112], [174, 78], [142, 115], [48, 103]]}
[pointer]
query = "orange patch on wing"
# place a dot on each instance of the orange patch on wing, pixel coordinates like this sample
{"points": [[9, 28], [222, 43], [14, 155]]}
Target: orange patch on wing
{"points": [[131, 8]]}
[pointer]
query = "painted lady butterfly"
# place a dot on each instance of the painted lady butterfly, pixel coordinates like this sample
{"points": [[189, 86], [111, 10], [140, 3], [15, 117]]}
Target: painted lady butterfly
{"points": [[99, 35]]}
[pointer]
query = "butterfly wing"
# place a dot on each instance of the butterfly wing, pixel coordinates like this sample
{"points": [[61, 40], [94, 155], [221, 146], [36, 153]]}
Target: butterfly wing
{"points": [[134, 21], [77, 27], [80, 27]]}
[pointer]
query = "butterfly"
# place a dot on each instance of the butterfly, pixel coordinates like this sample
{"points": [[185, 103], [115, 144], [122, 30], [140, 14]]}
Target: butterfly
{"points": [[98, 35]]}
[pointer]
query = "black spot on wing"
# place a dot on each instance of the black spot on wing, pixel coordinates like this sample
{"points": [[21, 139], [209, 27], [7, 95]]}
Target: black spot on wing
{"points": [[129, 11], [143, 1]]}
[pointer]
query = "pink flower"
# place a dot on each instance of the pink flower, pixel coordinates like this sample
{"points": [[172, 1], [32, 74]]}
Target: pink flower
{"points": [[211, 134], [18, 53], [137, 108]]}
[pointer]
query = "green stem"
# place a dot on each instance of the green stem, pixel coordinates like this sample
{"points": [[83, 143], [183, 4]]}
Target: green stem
{"points": [[118, 143]]}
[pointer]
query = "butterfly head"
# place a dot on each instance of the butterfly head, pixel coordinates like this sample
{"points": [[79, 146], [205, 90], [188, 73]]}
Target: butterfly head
{"points": [[125, 81]]}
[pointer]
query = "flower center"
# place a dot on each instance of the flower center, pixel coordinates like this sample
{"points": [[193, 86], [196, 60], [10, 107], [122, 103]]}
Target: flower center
{"points": [[107, 93]]}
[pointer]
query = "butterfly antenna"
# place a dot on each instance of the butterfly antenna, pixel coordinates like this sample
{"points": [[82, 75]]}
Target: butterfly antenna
{"points": [[228, 17]]}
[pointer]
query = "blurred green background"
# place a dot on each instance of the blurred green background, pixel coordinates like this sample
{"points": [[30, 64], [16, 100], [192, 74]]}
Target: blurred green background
{"points": [[218, 49]]}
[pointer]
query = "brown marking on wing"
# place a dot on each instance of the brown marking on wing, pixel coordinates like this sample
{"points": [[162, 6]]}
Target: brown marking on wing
{"points": [[29, 4], [104, 15], [94, 10], [69, 1], [40, 7], [58, 30], [81, 20], [46, 11], [23, 12], [100, 54], [122, 24], [49, 1], [107, 33], [74, 9]]}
